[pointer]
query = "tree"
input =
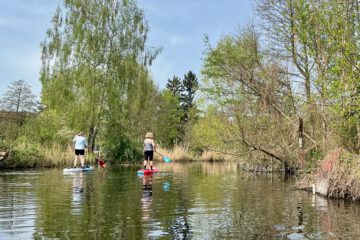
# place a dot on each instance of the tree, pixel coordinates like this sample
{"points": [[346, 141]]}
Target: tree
{"points": [[251, 97], [174, 86], [320, 38], [93, 58], [19, 98], [284, 23], [190, 85], [184, 91], [168, 119]]}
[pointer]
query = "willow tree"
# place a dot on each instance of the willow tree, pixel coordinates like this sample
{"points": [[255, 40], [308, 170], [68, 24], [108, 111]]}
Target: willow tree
{"points": [[92, 57]]}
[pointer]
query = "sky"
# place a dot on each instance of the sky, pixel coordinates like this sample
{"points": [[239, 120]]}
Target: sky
{"points": [[178, 26]]}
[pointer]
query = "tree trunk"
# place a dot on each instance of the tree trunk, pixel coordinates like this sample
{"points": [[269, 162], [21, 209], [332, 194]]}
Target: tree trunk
{"points": [[92, 137], [301, 154], [358, 136]]}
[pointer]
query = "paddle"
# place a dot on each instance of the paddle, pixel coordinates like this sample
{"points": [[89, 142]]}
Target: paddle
{"points": [[165, 158]]}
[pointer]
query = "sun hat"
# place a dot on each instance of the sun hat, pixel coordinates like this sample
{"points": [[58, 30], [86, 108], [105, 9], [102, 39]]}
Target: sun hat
{"points": [[149, 135]]}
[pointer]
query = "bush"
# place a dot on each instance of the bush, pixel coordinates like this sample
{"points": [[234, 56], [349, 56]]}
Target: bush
{"points": [[314, 157], [119, 148], [24, 157]]}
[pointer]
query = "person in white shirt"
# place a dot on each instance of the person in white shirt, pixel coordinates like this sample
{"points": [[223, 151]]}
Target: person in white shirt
{"points": [[80, 146]]}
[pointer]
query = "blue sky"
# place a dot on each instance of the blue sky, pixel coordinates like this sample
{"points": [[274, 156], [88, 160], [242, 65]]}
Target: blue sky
{"points": [[176, 26]]}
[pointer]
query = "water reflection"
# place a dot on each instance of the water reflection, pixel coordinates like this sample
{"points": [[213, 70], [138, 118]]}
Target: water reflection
{"points": [[326, 220], [146, 199], [196, 201], [77, 193], [17, 205], [152, 227]]}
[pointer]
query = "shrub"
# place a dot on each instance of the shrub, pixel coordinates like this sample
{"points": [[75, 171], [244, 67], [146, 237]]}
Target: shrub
{"points": [[119, 148]]}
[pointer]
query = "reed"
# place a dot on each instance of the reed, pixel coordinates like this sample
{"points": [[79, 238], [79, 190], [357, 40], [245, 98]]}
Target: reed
{"points": [[342, 171], [345, 178], [177, 153], [211, 156], [58, 154], [183, 153]]}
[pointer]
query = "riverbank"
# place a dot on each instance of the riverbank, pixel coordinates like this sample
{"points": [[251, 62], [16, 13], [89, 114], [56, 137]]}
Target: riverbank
{"points": [[37, 156], [34, 156], [337, 175]]}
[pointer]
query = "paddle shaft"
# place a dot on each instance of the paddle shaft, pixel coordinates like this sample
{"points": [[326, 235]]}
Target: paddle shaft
{"points": [[164, 158], [160, 154]]}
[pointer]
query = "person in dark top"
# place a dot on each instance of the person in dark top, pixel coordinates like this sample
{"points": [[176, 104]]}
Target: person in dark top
{"points": [[149, 149]]}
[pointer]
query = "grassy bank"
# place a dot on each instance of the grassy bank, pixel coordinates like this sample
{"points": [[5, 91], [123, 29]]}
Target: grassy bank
{"points": [[339, 171], [25, 155], [37, 156]]}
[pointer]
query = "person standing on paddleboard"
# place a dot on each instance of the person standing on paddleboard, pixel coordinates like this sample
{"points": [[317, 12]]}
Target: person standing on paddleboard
{"points": [[80, 146], [149, 149]]}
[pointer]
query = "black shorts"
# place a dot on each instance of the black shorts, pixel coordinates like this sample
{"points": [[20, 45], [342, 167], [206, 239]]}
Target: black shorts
{"points": [[80, 152], [149, 155]]}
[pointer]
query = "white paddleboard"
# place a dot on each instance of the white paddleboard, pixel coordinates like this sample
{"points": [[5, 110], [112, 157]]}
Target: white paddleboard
{"points": [[85, 169]]}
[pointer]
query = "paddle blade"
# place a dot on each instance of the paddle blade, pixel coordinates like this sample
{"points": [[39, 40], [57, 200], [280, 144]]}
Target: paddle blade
{"points": [[167, 159]]}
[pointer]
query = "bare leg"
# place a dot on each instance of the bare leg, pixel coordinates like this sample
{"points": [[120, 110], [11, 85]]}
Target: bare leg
{"points": [[75, 160], [151, 165], [82, 160], [145, 163]]}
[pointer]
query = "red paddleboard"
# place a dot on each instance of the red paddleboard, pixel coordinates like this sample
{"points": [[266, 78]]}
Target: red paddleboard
{"points": [[147, 171]]}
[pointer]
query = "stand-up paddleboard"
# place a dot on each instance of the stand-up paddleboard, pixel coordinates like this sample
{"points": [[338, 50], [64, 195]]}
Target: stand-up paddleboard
{"points": [[85, 169], [147, 171]]}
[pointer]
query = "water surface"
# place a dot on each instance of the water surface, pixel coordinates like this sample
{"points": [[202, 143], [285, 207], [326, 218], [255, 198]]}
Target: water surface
{"points": [[183, 201]]}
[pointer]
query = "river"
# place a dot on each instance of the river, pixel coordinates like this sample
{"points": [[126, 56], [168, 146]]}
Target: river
{"points": [[182, 201]]}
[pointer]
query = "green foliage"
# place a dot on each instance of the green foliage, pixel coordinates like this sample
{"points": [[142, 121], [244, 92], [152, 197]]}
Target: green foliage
{"points": [[94, 73], [27, 157], [207, 131], [47, 128], [316, 155], [251, 98], [174, 85], [189, 87], [4, 146], [184, 90], [22, 156], [9, 131], [313, 159], [322, 39], [120, 148], [168, 119], [348, 134]]}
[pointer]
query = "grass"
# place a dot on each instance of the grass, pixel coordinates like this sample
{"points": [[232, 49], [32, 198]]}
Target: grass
{"points": [[33, 155], [58, 154], [26, 155]]}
